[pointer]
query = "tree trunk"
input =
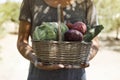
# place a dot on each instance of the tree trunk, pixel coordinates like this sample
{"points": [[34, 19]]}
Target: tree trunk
{"points": [[117, 33]]}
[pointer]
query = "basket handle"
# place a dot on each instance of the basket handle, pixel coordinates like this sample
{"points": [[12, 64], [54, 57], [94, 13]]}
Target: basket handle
{"points": [[86, 11], [60, 19]]}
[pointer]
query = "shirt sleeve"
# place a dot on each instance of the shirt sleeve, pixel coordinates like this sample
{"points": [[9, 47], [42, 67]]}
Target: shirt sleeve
{"points": [[92, 15], [25, 13]]}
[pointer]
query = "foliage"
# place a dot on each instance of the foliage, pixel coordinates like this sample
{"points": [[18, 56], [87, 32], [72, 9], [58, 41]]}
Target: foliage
{"points": [[9, 11], [109, 13]]}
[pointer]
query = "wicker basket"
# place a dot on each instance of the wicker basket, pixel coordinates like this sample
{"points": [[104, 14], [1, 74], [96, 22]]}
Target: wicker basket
{"points": [[55, 52]]}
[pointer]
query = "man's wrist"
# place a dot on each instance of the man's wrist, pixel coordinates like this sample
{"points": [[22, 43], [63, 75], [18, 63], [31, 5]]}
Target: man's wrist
{"points": [[35, 63], [32, 57], [93, 52]]}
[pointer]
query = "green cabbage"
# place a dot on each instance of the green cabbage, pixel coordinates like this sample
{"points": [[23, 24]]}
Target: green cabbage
{"points": [[48, 31]]}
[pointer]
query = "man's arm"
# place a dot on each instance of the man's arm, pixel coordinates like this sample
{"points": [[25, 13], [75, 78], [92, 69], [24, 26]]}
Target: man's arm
{"points": [[94, 48], [26, 50], [93, 20], [22, 42]]}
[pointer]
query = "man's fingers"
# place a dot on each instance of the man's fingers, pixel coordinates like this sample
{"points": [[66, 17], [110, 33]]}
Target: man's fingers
{"points": [[59, 66], [49, 67], [68, 66], [84, 65]]}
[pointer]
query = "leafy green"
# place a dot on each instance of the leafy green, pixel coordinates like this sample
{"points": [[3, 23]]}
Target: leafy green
{"points": [[92, 32], [48, 31]]}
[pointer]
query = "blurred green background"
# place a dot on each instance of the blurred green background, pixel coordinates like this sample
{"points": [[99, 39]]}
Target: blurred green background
{"points": [[9, 12], [108, 14]]}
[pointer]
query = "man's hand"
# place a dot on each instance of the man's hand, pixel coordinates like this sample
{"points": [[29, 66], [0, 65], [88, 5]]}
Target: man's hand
{"points": [[40, 65], [82, 65], [59, 66]]}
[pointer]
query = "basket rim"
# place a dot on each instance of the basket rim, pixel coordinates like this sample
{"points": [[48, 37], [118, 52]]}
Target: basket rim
{"points": [[51, 41]]}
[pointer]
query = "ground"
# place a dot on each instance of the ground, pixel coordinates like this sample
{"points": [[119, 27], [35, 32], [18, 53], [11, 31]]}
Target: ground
{"points": [[105, 66]]}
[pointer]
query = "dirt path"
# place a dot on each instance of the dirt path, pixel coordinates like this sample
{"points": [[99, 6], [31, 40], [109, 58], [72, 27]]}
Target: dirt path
{"points": [[12, 65], [105, 66]]}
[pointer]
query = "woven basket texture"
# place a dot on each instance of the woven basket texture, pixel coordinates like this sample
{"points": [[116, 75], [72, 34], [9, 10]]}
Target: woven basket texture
{"points": [[62, 52]]}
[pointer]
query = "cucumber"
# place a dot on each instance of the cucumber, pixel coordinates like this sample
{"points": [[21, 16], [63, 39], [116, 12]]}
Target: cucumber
{"points": [[92, 33]]}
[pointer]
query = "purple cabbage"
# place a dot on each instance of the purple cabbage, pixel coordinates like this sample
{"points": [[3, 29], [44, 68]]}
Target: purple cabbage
{"points": [[73, 35]]}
